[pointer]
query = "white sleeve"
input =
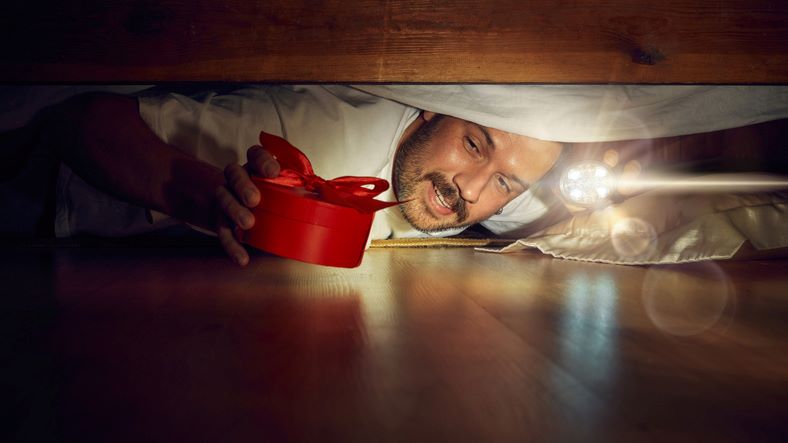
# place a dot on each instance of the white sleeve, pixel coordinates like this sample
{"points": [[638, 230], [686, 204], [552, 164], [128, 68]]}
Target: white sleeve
{"points": [[217, 129]]}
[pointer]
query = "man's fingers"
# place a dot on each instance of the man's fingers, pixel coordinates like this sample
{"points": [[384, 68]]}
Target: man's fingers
{"points": [[261, 162], [234, 210], [238, 180], [230, 244]]}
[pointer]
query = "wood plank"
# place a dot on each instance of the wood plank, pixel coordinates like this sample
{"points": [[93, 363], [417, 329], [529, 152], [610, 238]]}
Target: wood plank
{"points": [[499, 41]]}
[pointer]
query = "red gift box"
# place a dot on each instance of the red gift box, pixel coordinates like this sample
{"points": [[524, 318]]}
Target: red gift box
{"points": [[307, 218]]}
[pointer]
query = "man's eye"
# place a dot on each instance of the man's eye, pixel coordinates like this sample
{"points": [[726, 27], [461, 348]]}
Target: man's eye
{"points": [[503, 184], [471, 146]]}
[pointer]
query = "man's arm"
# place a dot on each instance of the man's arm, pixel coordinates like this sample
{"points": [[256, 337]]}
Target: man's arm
{"points": [[103, 139]]}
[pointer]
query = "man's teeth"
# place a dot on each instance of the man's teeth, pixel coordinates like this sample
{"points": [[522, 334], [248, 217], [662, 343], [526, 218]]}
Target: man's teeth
{"points": [[440, 199]]}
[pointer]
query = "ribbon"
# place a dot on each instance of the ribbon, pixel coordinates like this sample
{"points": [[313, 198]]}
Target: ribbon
{"points": [[296, 171]]}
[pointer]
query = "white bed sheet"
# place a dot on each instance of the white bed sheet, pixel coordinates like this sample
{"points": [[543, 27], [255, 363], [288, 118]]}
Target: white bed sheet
{"points": [[664, 229], [597, 113]]}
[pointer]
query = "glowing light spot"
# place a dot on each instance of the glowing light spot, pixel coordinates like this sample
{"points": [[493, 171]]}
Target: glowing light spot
{"points": [[610, 157], [633, 238], [688, 299], [587, 184], [632, 167]]}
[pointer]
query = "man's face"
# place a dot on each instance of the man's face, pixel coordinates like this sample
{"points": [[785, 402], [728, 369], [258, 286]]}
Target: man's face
{"points": [[456, 173]]}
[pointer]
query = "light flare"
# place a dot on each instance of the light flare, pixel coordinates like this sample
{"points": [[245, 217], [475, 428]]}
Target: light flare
{"points": [[589, 184], [688, 299], [738, 183], [633, 238]]}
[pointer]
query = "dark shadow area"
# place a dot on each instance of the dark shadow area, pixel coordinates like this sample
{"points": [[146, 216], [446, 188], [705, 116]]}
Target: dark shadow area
{"points": [[29, 379]]}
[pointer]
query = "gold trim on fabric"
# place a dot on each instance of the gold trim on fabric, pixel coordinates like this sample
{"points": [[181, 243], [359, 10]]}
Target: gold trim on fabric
{"points": [[439, 242]]}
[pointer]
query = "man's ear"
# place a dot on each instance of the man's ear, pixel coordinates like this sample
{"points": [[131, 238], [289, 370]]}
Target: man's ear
{"points": [[427, 115]]}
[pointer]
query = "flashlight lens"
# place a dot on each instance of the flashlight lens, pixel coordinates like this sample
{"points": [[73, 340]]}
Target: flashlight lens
{"points": [[587, 184]]}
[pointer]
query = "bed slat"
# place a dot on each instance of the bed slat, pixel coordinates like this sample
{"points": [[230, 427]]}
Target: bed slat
{"points": [[541, 41]]}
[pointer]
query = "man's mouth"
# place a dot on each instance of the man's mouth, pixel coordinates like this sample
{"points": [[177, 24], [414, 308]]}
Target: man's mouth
{"points": [[441, 199]]}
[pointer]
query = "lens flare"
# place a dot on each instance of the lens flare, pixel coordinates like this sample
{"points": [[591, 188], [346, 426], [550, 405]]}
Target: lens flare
{"points": [[633, 238], [687, 299], [735, 183], [589, 184]]}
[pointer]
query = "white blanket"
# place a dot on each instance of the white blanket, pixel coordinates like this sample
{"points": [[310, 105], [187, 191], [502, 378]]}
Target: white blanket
{"points": [[659, 229], [597, 113]]}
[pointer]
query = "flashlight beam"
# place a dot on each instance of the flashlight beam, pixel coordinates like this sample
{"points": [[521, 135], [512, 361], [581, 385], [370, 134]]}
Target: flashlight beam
{"points": [[712, 183]]}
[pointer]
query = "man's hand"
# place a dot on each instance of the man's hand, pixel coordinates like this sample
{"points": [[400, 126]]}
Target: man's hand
{"points": [[237, 196]]}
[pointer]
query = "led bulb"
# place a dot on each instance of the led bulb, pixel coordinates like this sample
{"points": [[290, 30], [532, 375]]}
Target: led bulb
{"points": [[587, 184]]}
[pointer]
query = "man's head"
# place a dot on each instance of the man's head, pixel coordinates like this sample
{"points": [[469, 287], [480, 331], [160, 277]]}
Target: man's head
{"points": [[456, 173]]}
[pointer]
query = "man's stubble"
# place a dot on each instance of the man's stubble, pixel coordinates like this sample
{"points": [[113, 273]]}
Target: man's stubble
{"points": [[409, 174]]}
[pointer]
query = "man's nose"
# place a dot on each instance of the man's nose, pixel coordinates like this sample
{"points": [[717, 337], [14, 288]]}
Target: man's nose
{"points": [[470, 185]]}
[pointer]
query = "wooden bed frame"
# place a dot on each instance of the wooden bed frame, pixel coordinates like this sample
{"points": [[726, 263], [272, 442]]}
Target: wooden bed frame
{"points": [[460, 41]]}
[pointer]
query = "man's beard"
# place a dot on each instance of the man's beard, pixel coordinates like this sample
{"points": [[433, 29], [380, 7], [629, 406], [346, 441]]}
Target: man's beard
{"points": [[408, 175]]}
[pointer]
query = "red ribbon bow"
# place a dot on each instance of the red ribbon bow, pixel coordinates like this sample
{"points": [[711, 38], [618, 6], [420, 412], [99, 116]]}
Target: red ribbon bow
{"points": [[296, 171]]}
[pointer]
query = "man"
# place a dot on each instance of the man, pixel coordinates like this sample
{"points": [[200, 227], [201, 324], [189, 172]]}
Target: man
{"points": [[166, 154]]}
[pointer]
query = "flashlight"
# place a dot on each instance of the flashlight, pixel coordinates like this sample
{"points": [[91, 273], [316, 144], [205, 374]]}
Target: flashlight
{"points": [[587, 184]]}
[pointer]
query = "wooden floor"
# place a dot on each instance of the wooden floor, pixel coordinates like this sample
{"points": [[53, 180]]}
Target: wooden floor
{"points": [[143, 344]]}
